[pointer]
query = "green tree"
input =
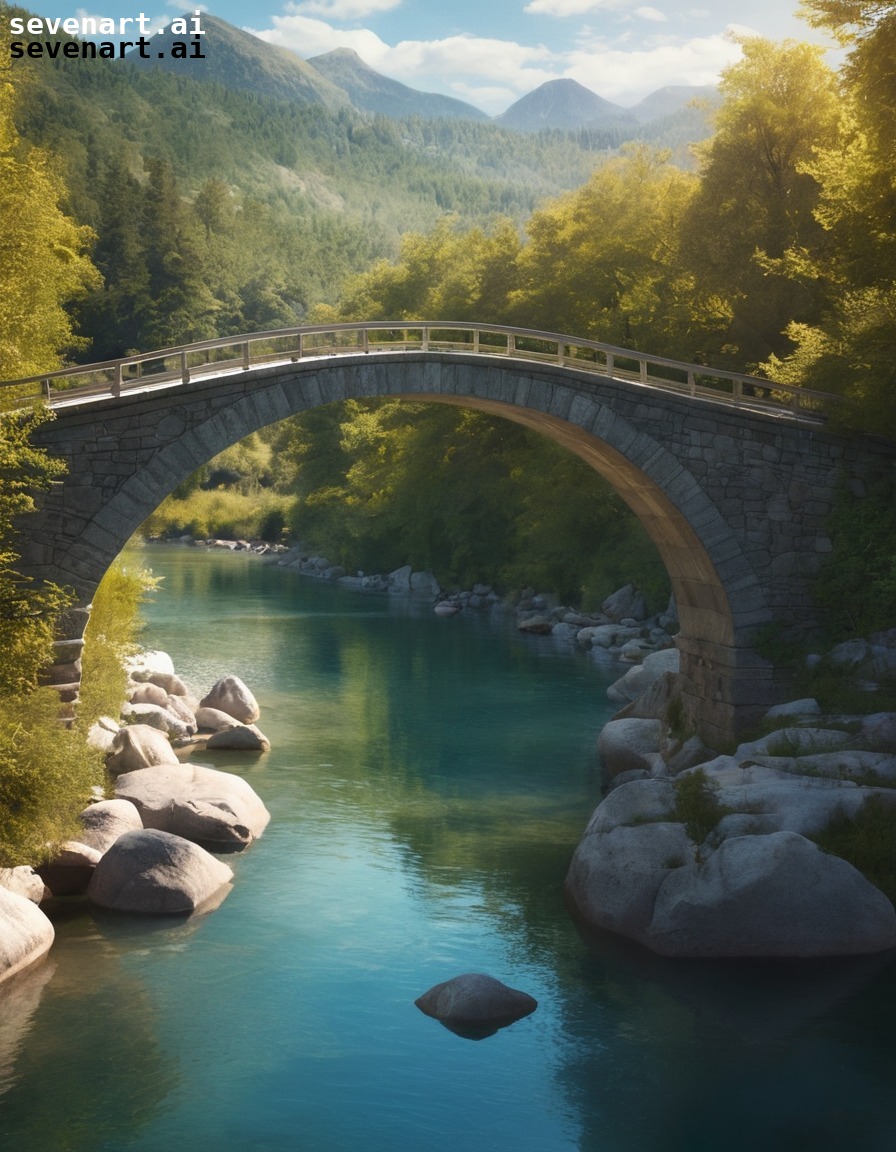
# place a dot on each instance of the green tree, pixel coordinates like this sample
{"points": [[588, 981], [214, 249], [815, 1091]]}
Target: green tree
{"points": [[44, 262], [848, 348], [747, 230], [604, 261]]}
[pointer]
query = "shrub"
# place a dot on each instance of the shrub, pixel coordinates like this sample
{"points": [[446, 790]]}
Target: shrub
{"points": [[696, 805], [868, 842]]}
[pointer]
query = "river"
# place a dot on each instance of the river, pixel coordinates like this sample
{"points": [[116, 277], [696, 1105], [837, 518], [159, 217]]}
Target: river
{"points": [[428, 781]]}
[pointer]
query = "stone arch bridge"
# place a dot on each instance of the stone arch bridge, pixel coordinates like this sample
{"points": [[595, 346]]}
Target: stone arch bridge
{"points": [[732, 478]]}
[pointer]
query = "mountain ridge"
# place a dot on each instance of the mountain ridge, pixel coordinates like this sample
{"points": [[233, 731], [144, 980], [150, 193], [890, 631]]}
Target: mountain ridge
{"points": [[237, 58]]}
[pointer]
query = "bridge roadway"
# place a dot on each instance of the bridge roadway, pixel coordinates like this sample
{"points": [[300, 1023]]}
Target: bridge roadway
{"points": [[732, 477]]}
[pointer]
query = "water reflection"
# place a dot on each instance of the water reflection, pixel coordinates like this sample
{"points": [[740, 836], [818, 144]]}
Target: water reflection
{"points": [[427, 783], [92, 1072]]}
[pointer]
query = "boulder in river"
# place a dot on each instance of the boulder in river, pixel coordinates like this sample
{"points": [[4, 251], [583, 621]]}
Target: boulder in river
{"points": [[214, 720], [201, 804], [26, 934], [139, 746], [241, 738], [776, 895], [230, 695], [475, 1004], [154, 873], [104, 822]]}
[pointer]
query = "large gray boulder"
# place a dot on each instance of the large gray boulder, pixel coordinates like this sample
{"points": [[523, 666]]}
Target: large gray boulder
{"points": [[156, 874], [230, 695], [214, 720], [200, 804], [240, 738], [68, 872], [148, 693], [625, 604], [102, 823], [26, 934], [777, 895], [475, 999], [23, 881], [139, 746], [425, 584], [154, 716], [179, 706], [614, 877], [782, 801], [630, 745], [641, 677]]}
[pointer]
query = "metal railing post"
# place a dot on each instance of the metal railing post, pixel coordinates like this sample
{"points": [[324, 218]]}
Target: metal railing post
{"points": [[642, 371], [246, 360], [561, 353], [184, 368], [475, 339], [692, 382], [511, 343], [424, 339], [116, 381], [611, 363]]}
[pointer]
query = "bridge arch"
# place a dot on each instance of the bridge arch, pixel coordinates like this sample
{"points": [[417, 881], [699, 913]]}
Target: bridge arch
{"points": [[685, 469]]}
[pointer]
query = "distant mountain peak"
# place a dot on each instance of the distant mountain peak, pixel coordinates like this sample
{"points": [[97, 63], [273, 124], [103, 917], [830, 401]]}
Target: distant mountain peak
{"points": [[235, 58], [370, 91], [565, 104]]}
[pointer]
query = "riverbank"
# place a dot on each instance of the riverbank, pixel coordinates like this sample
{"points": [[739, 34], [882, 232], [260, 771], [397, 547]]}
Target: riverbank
{"points": [[622, 629], [792, 814]]}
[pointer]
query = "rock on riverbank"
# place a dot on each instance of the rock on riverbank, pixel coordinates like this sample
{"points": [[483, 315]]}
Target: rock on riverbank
{"points": [[698, 854], [148, 850]]}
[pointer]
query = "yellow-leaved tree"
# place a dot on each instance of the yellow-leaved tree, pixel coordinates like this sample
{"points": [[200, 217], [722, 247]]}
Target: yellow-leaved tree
{"points": [[45, 769], [44, 260]]}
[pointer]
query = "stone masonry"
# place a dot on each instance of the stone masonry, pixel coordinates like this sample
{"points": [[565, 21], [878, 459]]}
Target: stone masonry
{"points": [[734, 499]]}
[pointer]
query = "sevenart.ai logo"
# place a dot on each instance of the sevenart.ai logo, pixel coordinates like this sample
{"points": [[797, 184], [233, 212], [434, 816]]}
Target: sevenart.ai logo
{"points": [[182, 37]]}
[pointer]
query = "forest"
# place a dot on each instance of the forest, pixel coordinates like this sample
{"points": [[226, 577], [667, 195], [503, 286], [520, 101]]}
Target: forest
{"points": [[147, 211]]}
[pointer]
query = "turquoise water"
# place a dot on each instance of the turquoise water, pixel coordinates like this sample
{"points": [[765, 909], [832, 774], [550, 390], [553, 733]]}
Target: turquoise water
{"points": [[428, 781]]}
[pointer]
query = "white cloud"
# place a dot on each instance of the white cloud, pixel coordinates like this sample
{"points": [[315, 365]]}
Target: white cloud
{"points": [[310, 37], [492, 73], [651, 14], [342, 9], [487, 72], [628, 76], [570, 7]]}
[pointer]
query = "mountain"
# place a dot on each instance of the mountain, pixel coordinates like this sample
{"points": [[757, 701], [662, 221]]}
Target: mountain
{"points": [[671, 99], [371, 92], [237, 59], [567, 105]]}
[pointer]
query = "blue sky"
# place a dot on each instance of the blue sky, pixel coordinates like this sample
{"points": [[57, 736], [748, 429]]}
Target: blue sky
{"points": [[491, 52]]}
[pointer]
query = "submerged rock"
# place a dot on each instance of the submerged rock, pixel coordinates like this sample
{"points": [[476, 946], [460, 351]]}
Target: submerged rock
{"points": [[475, 1004]]}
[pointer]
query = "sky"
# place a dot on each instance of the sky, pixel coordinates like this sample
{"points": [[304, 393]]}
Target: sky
{"points": [[491, 52]]}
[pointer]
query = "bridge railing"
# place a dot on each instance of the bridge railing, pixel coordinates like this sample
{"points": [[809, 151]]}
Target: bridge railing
{"points": [[229, 354]]}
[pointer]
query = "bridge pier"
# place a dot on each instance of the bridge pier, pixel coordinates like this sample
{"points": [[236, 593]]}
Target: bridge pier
{"points": [[725, 691]]}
